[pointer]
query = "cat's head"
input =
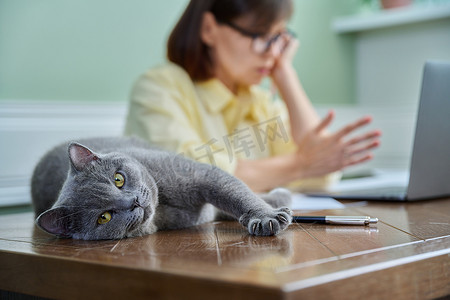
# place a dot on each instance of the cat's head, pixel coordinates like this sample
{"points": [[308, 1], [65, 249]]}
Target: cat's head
{"points": [[105, 196]]}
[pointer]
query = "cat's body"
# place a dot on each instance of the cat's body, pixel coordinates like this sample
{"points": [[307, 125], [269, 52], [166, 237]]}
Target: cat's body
{"points": [[111, 188]]}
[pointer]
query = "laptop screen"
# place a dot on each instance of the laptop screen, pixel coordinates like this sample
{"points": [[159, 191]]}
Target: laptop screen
{"points": [[430, 162]]}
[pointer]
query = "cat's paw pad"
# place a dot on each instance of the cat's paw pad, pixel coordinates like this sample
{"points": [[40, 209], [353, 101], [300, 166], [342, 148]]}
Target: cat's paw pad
{"points": [[268, 224]]}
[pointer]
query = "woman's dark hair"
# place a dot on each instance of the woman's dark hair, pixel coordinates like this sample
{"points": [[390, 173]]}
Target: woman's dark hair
{"points": [[185, 47]]}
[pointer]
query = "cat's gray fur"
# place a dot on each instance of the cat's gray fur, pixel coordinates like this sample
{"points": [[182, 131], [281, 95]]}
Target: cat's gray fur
{"points": [[73, 185]]}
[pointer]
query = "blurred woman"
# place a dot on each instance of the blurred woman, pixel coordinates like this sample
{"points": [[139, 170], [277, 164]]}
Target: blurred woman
{"points": [[206, 102]]}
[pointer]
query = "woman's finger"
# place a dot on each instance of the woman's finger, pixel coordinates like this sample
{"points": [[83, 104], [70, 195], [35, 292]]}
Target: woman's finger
{"points": [[355, 161], [364, 148], [368, 136], [325, 122], [292, 44], [353, 126], [289, 50]]}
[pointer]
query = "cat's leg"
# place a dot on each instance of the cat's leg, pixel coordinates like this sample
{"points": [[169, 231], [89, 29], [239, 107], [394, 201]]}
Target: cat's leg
{"points": [[234, 197], [276, 198]]}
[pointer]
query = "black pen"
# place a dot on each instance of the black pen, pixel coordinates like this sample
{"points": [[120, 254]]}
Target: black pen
{"points": [[336, 220]]}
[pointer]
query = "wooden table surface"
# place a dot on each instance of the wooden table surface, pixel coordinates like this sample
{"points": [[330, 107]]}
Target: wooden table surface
{"points": [[406, 256]]}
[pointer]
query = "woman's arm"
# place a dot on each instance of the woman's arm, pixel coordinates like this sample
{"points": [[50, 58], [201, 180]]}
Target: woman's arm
{"points": [[265, 174], [302, 115]]}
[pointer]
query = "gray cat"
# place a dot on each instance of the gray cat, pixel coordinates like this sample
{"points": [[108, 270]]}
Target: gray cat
{"points": [[121, 187]]}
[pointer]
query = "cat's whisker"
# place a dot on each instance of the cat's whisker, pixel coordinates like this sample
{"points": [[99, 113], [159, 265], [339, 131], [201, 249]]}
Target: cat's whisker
{"points": [[154, 186]]}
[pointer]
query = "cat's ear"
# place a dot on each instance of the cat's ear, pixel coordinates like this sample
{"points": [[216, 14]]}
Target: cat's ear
{"points": [[55, 221], [80, 156]]}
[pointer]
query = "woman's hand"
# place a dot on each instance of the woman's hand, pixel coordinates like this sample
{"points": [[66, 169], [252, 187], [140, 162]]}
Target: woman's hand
{"points": [[320, 153], [285, 57]]}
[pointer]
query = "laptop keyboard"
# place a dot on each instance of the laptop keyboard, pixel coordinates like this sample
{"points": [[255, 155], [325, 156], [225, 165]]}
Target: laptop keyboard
{"points": [[392, 190], [381, 193]]}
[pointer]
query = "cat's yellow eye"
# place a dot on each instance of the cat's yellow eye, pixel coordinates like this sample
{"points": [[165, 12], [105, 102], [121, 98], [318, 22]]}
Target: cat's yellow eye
{"points": [[104, 218], [119, 180]]}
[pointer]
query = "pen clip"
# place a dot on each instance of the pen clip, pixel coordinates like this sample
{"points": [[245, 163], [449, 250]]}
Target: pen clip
{"points": [[350, 220]]}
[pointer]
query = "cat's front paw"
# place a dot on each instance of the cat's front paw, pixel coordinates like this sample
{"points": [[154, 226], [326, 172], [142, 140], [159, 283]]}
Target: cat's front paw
{"points": [[265, 224]]}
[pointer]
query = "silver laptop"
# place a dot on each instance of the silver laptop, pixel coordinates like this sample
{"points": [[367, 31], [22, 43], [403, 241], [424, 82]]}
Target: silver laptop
{"points": [[429, 175]]}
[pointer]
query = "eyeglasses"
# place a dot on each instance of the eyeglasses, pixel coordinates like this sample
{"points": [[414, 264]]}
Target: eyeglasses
{"points": [[260, 44]]}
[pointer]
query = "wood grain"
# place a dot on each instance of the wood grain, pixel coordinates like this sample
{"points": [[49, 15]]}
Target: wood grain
{"points": [[406, 255]]}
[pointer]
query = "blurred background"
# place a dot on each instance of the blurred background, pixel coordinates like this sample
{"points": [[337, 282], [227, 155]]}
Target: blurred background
{"points": [[67, 67]]}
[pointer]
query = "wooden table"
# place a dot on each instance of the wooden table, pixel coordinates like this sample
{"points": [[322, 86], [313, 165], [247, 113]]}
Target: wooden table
{"points": [[405, 256]]}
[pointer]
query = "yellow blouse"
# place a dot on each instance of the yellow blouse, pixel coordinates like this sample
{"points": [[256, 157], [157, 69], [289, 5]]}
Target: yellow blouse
{"points": [[206, 121]]}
